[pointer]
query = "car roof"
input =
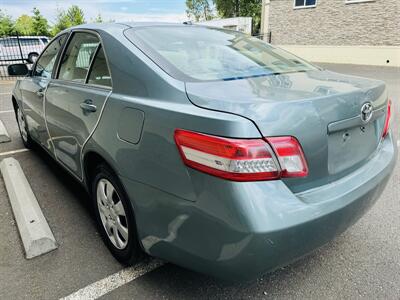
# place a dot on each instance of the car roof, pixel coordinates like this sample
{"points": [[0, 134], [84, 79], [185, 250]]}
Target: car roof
{"points": [[122, 25], [149, 24]]}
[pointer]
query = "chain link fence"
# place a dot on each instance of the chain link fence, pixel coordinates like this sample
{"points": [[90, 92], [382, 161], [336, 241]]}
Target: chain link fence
{"points": [[16, 49]]}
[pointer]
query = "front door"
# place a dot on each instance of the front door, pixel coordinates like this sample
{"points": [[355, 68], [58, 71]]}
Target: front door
{"points": [[33, 92], [74, 100]]}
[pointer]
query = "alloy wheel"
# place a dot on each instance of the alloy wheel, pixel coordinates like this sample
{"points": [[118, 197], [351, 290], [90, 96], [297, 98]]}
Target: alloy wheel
{"points": [[112, 213]]}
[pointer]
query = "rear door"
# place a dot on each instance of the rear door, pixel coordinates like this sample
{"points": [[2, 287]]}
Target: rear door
{"points": [[33, 89], [74, 100]]}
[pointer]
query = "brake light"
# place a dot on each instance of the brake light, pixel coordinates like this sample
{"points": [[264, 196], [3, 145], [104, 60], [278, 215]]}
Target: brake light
{"points": [[241, 159], [386, 127], [290, 155]]}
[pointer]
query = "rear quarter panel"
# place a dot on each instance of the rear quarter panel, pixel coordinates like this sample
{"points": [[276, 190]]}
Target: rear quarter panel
{"points": [[140, 85]]}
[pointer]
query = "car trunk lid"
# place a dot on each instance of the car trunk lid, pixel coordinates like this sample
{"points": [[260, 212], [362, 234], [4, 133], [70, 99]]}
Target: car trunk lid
{"points": [[321, 109]]}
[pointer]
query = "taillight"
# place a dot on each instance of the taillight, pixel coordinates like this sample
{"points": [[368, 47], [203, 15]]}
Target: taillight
{"points": [[241, 159], [290, 155], [386, 127]]}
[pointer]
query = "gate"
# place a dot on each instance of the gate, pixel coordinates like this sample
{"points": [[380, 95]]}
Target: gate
{"points": [[19, 49]]}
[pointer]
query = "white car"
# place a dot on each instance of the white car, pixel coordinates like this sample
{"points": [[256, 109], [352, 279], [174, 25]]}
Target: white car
{"points": [[28, 48]]}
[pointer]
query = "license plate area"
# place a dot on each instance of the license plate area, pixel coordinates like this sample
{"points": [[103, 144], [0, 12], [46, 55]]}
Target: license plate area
{"points": [[350, 146]]}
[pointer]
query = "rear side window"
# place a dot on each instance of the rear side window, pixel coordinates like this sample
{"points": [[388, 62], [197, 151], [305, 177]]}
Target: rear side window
{"points": [[99, 73], [78, 56], [9, 43], [29, 42]]}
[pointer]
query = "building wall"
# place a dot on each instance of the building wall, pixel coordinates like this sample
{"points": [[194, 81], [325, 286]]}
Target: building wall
{"points": [[242, 24], [335, 23]]}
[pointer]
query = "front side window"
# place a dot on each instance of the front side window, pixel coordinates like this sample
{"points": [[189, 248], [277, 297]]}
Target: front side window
{"points": [[201, 53], [45, 64], [78, 56], [99, 73], [304, 3]]}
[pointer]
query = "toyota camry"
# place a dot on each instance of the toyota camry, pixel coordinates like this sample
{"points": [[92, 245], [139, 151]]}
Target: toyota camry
{"points": [[205, 147]]}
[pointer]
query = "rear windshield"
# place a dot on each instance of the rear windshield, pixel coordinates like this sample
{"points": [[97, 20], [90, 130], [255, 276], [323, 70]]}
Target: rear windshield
{"points": [[203, 53]]}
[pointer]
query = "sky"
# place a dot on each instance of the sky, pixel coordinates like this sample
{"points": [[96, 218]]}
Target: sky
{"points": [[118, 10]]}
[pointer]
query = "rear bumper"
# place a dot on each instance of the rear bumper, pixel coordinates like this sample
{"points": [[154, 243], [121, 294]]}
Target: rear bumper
{"points": [[237, 231]]}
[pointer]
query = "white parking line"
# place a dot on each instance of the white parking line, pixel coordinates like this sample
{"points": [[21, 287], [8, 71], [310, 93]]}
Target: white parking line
{"points": [[114, 281], [13, 152], [6, 111], [5, 93]]}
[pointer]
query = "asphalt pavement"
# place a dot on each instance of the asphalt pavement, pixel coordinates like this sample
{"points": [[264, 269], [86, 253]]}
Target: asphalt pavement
{"points": [[363, 262]]}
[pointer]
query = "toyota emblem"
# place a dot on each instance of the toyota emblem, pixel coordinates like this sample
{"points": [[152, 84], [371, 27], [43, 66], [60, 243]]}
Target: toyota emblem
{"points": [[366, 112]]}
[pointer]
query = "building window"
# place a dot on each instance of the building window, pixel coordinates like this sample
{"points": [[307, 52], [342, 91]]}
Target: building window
{"points": [[304, 3]]}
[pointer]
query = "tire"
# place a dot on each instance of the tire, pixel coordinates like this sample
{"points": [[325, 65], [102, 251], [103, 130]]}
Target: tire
{"points": [[32, 57], [23, 128], [114, 216]]}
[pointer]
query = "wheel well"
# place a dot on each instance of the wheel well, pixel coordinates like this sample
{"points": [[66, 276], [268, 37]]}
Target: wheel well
{"points": [[14, 102], [90, 162]]}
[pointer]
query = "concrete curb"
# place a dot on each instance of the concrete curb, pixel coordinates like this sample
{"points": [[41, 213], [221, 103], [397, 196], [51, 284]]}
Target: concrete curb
{"points": [[4, 136], [35, 233]]}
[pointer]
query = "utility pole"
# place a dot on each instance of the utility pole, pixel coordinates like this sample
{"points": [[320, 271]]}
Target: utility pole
{"points": [[237, 12], [264, 30]]}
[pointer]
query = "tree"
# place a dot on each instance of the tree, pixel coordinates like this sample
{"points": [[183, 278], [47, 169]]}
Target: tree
{"points": [[65, 19], [241, 8], [24, 25], [40, 25], [62, 22], [6, 24], [98, 19], [75, 15], [198, 10]]}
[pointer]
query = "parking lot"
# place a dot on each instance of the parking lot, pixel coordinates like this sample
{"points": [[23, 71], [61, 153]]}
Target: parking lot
{"points": [[364, 262]]}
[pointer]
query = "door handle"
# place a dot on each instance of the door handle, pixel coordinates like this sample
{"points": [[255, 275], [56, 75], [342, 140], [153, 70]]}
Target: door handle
{"points": [[88, 106]]}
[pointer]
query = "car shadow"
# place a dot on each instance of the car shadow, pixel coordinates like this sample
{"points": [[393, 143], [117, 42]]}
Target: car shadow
{"points": [[173, 281], [71, 183]]}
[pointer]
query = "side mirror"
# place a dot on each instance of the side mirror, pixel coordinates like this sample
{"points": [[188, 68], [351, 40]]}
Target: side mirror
{"points": [[17, 70]]}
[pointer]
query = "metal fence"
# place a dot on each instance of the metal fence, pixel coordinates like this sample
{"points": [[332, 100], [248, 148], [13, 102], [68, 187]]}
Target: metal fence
{"points": [[267, 37], [19, 49]]}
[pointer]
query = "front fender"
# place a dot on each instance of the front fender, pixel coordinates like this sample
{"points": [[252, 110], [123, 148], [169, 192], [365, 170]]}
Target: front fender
{"points": [[17, 94]]}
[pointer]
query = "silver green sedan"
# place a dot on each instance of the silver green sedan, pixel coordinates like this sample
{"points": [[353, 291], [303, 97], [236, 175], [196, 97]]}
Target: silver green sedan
{"points": [[206, 147]]}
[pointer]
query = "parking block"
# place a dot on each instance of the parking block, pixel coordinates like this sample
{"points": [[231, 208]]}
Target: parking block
{"points": [[35, 233], [4, 136]]}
